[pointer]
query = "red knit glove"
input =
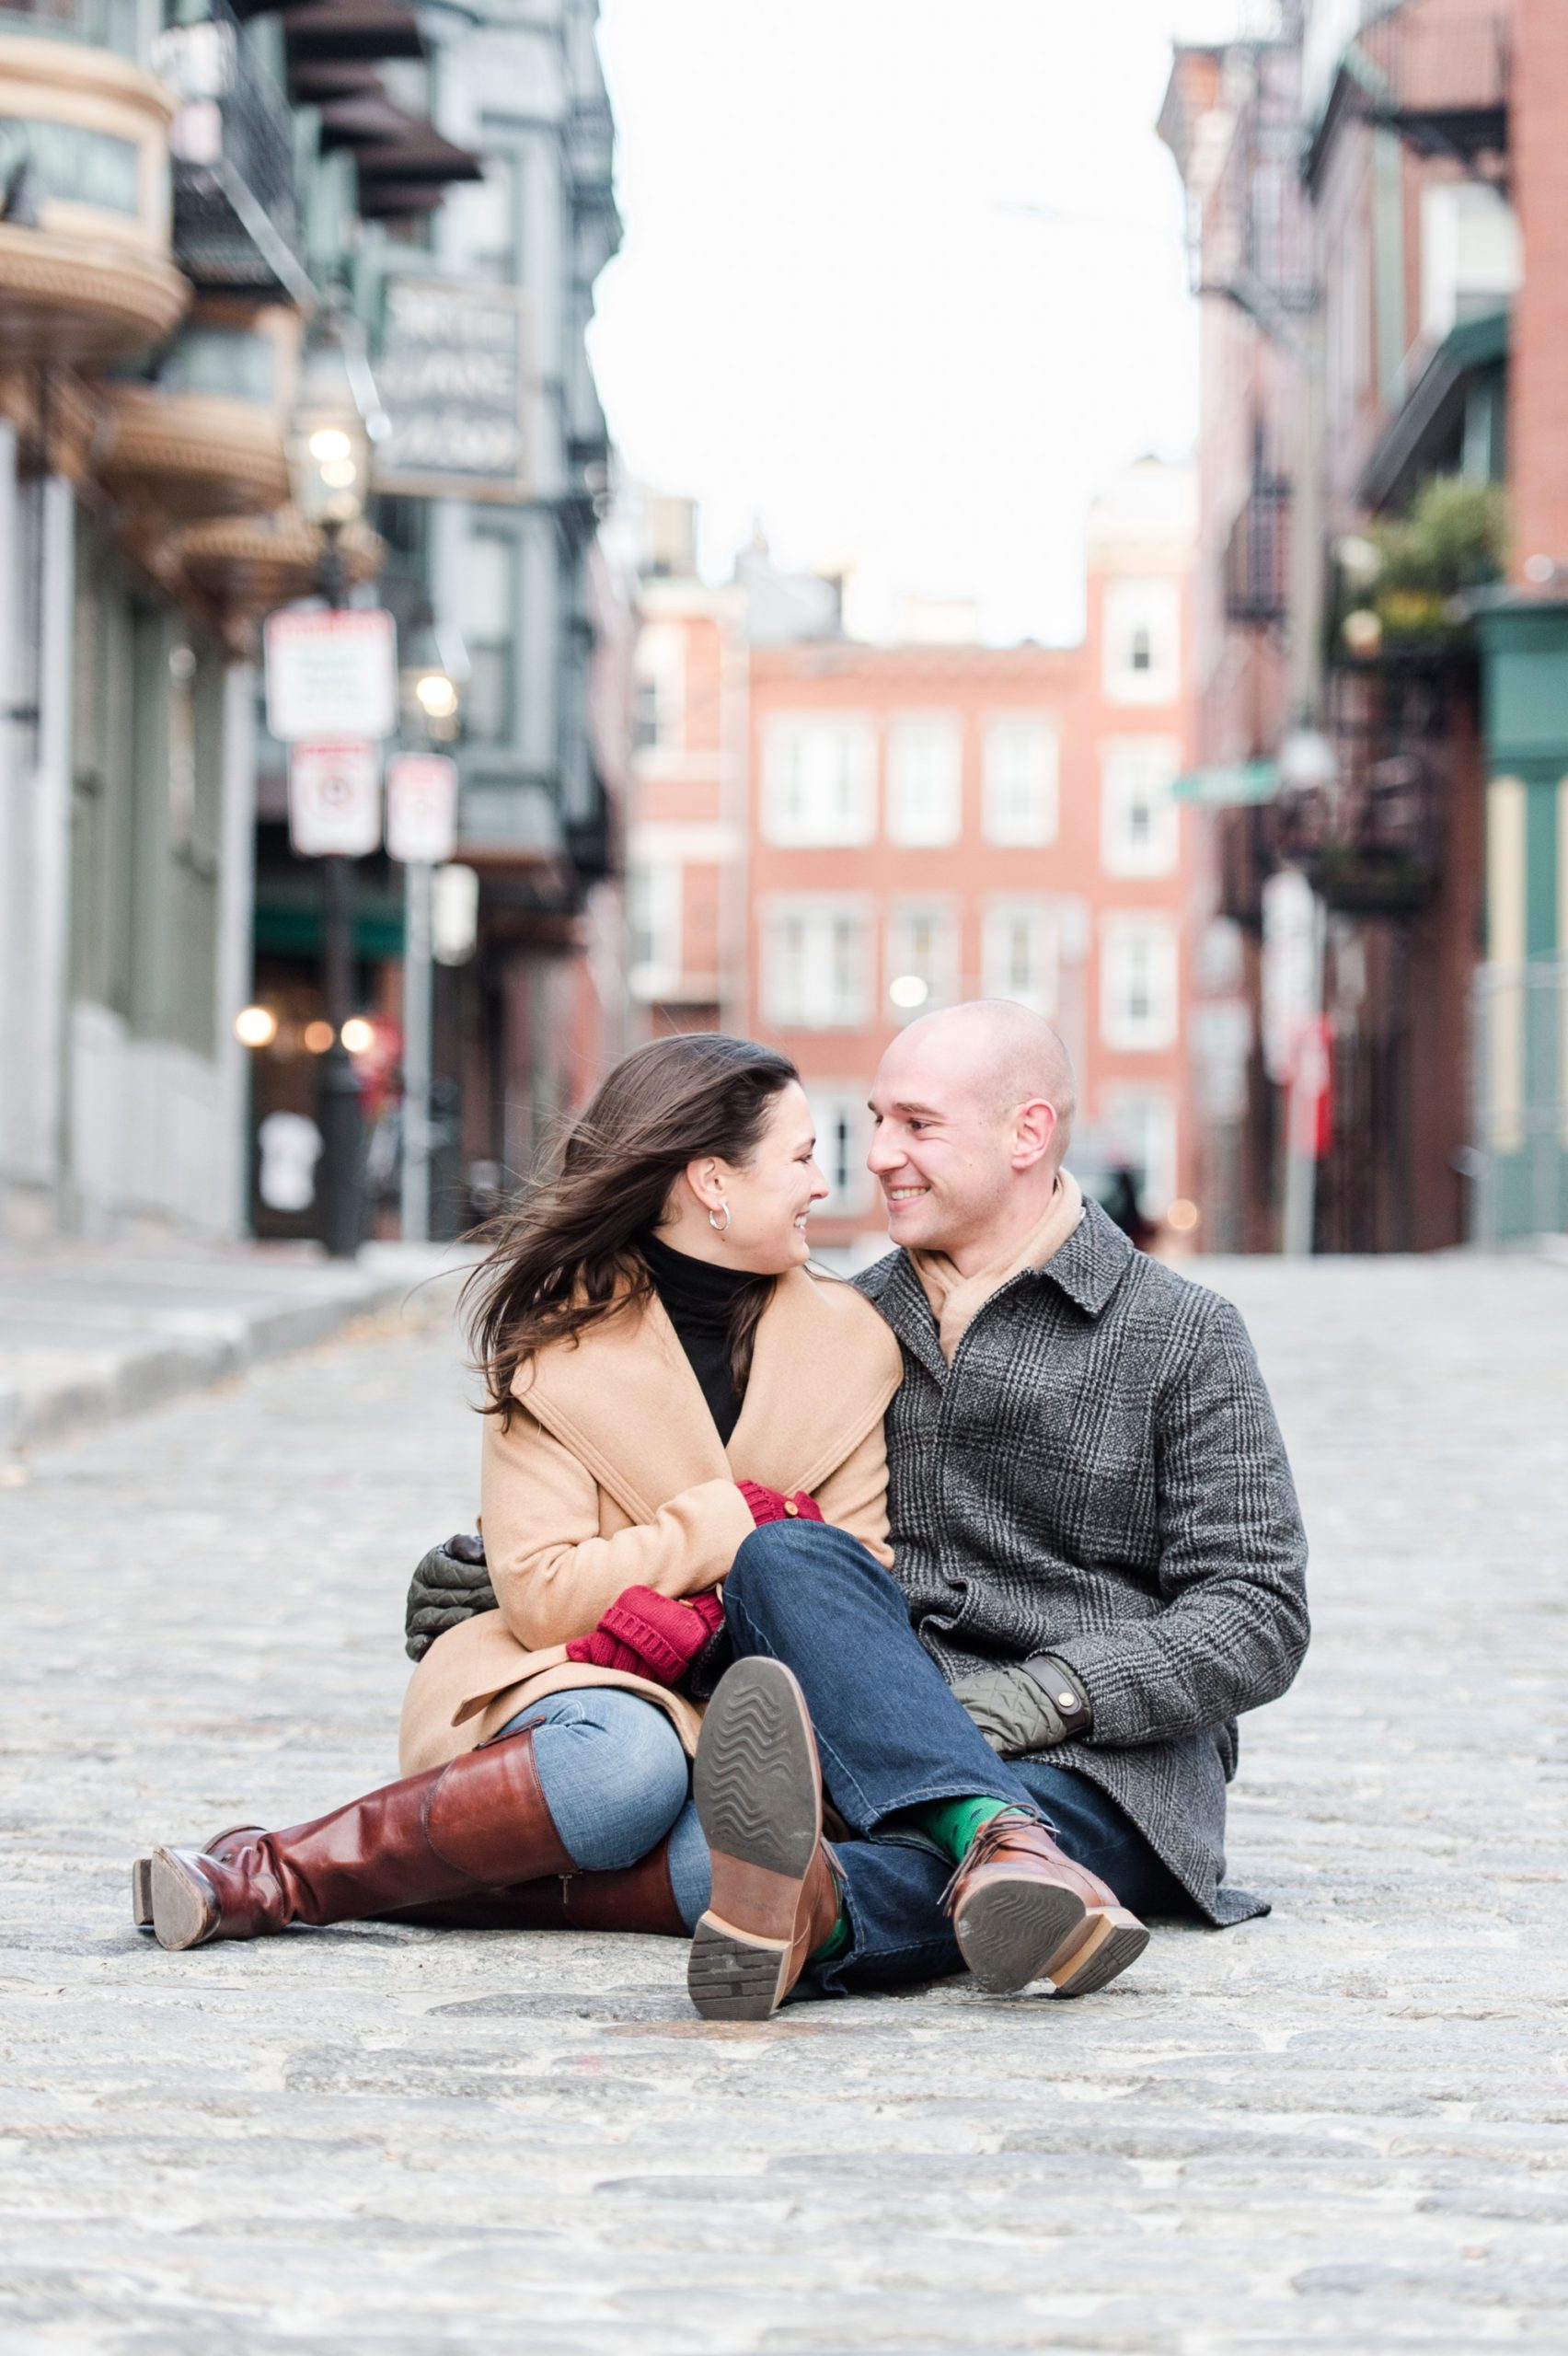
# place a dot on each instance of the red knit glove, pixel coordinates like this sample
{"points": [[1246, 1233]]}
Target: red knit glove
{"points": [[772, 1504], [648, 1634]]}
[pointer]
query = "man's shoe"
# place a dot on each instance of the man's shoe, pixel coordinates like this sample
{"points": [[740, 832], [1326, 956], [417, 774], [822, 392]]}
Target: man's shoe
{"points": [[1022, 1910], [759, 1793]]}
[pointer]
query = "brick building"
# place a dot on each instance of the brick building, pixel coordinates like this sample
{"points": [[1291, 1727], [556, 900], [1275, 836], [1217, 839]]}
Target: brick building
{"points": [[831, 838]]}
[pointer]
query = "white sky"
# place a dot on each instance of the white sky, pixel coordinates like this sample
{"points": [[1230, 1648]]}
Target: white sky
{"points": [[826, 314]]}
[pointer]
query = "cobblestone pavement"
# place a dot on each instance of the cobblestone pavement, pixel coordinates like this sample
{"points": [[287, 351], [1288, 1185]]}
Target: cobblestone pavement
{"points": [[1345, 2126]]}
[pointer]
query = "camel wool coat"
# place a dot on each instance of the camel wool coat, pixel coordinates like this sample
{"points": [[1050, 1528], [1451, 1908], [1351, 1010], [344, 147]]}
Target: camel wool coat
{"points": [[611, 1474]]}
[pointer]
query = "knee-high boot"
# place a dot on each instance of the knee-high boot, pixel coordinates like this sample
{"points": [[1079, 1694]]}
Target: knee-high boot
{"points": [[479, 1822], [636, 1898]]}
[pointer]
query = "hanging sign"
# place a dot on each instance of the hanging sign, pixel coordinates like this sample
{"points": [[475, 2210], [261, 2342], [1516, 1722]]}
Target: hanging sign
{"points": [[331, 673], [422, 808], [335, 798], [454, 369]]}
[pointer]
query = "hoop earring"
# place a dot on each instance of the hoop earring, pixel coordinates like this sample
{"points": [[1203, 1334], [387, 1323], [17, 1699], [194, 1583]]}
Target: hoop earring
{"points": [[714, 1224]]}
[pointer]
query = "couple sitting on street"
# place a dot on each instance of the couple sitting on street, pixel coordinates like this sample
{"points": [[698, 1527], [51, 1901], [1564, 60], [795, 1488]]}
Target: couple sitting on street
{"points": [[994, 1543]]}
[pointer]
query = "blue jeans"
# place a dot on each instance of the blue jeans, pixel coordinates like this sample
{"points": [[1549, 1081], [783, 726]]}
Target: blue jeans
{"points": [[615, 1781], [892, 1738]]}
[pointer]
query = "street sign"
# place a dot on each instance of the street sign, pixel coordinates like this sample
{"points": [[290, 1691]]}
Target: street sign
{"points": [[1228, 784], [335, 798], [455, 914], [331, 675], [422, 808], [454, 368]]}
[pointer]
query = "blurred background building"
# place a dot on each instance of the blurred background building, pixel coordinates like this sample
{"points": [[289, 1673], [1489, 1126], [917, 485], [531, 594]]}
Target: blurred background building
{"points": [[196, 204], [1381, 631]]}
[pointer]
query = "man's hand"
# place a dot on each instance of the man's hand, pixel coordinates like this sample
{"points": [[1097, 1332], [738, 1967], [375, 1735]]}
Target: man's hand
{"points": [[450, 1586], [1014, 1712]]}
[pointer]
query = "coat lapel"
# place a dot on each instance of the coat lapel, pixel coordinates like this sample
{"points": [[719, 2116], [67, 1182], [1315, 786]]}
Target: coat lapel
{"points": [[627, 1403]]}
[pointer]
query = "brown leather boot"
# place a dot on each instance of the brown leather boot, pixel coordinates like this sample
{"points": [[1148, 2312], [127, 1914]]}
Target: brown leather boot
{"points": [[759, 1793], [1022, 1910], [638, 1898], [233, 1836], [479, 1821]]}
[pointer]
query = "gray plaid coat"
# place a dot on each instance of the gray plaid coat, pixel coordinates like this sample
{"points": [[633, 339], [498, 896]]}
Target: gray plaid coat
{"points": [[1100, 1475]]}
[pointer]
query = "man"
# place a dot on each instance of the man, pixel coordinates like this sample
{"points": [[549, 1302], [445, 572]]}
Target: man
{"points": [[1099, 1565]]}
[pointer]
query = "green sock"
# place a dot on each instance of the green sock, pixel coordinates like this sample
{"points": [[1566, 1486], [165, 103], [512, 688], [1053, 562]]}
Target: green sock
{"points": [[953, 1824], [835, 1942]]}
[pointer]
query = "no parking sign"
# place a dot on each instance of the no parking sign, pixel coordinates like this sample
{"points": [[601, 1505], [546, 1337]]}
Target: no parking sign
{"points": [[335, 798]]}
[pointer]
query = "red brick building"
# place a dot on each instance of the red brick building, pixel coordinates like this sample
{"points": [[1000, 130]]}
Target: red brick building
{"points": [[930, 823]]}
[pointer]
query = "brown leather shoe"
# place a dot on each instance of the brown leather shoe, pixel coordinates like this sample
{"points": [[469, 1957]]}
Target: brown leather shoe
{"points": [[638, 1898], [759, 1793], [1022, 1910], [479, 1821]]}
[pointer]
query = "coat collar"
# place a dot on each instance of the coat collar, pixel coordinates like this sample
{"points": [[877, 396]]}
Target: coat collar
{"points": [[1088, 1268], [625, 1401]]}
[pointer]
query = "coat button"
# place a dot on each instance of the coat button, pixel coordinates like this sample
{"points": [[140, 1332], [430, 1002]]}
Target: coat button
{"points": [[790, 1506]]}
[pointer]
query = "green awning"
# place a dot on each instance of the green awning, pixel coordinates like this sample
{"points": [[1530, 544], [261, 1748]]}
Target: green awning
{"points": [[1229, 784]]}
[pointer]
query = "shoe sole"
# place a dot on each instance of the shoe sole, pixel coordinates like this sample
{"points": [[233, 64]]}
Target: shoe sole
{"points": [[182, 1914], [758, 1796], [142, 1872], [1013, 1932]]}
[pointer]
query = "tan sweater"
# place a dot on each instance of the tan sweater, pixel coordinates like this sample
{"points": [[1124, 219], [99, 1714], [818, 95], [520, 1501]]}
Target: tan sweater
{"points": [[955, 1299]]}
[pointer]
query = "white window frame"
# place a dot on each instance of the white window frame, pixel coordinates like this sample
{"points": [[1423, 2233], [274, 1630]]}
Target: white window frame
{"points": [[659, 884], [925, 779], [901, 955], [1136, 777], [819, 779], [843, 1130], [1127, 941], [829, 992], [1135, 610], [1022, 813], [998, 931], [1143, 1121], [659, 665], [1471, 254]]}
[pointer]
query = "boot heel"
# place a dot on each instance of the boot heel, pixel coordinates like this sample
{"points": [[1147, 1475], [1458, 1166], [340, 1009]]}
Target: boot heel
{"points": [[142, 1893], [731, 1979]]}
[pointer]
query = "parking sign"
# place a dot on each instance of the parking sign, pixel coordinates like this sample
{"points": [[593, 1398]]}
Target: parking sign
{"points": [[335, 798]]}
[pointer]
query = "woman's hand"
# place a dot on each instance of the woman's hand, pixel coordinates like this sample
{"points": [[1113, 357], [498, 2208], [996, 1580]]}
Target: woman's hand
{"points": [[772, 1504], [644, 1633]]}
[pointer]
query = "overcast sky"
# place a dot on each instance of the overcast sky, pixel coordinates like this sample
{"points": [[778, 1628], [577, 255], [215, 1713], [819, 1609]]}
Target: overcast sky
{"points": [[903, 278]]}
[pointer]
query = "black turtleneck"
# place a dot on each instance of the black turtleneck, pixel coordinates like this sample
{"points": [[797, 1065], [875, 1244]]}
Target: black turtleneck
{"points": [[699, 1299]]}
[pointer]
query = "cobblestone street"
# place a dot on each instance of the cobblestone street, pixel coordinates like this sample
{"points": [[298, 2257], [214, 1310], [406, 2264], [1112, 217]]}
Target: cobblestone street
{"points": [[1346, 2125]]}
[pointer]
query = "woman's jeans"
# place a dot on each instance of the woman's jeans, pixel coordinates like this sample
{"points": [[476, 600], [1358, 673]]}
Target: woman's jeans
{"points": [[615, 1781]]}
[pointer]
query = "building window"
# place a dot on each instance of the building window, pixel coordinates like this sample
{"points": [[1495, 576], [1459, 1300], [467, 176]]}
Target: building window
{"points": [[924, 781], [654, 921], [1018, 953], [819, 781], [843, 1124], [816, 964], [1471, 260], [1137, 1132], [479, 221], [487, 615], [658, 710], [1020, 782], [1138, 983], [921, 958], [1139, 820], [1142, 641]]}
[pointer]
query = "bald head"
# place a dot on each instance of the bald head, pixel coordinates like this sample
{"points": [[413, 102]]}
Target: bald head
{"points": [[1003, 1054], [973, 1109]]}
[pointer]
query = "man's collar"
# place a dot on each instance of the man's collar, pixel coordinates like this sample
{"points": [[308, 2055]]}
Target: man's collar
{"points": [[1087, 1267]]}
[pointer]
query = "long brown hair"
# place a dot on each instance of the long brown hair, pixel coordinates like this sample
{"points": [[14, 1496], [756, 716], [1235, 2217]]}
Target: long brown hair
{"points": [[565, 1257]]}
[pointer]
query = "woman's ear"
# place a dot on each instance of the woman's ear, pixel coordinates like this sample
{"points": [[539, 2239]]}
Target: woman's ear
{"points": [[706, 1182]]}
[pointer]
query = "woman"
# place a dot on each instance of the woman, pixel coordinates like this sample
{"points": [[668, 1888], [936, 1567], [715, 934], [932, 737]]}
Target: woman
{"points": [[661, 1374]]}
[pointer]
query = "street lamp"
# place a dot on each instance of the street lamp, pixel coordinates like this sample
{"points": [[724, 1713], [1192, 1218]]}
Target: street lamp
{"points": [[336, 418]]}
